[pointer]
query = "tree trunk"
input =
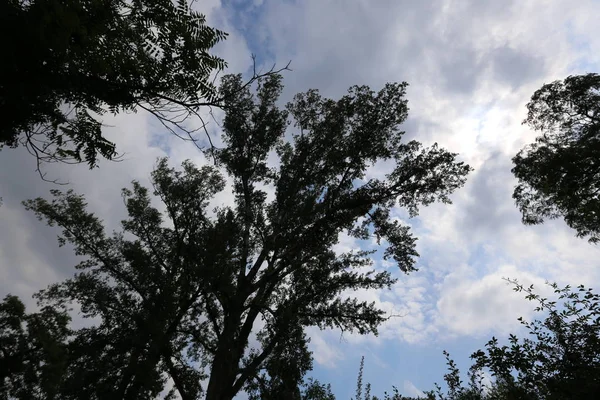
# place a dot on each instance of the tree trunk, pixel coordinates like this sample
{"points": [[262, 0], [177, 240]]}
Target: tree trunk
{"points": [[224, 369], [223, 373]]}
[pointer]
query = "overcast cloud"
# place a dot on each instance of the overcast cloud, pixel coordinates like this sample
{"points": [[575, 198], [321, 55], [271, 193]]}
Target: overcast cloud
{"points": [[471, 66]]}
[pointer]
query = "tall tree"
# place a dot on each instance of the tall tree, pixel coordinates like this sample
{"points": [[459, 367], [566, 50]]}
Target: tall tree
{"points": [[559, 174], [68, 62], [184, 289]]}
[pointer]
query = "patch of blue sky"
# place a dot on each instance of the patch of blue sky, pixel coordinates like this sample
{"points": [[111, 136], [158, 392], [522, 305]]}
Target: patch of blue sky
{"points": [[479, 257], [162, 137], [583, 63], [245, 16], [394, 363], [158, 135], [158, 138]]}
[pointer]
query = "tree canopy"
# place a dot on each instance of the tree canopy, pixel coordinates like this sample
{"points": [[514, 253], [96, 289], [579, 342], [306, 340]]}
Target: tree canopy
{"points": [[559, 173], [65, 63], [33, 351], [187, 291]]}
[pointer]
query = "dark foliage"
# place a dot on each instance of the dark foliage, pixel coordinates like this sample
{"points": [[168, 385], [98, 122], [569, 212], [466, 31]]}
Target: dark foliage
{"points": [[65, 63], [559, 174], [33, 351], [187, 291], [558, 360]]}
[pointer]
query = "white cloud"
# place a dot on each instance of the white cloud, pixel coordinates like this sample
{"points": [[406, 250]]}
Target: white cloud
{"points": [[480, 306], [346, 244], [411, 390], [324, 348], [471, 65]]}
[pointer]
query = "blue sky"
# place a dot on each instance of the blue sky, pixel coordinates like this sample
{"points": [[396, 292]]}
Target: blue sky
{"points": [[471, 66]]}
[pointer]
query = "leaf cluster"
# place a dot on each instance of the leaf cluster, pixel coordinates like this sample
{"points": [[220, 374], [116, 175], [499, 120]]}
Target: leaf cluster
{"points": [[33, 354], [559, 173], [68, 62]]}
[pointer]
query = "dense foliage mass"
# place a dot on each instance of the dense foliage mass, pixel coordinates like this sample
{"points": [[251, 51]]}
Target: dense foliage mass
{"points": [[65, 63], [33, 351], [188, 292], [559, 174]]}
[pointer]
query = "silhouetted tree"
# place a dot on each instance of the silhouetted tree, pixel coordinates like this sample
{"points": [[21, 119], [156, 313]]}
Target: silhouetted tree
{"points": [[66, 63], [183, 288], [33, 351], [559, 174], [315, 390], [559, 359]]}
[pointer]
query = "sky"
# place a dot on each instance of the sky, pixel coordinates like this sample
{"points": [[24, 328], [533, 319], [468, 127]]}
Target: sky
{"points": [[471, 67]]}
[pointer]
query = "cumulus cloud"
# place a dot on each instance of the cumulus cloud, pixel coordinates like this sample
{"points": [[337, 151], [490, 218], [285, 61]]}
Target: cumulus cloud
{"points": [[323, 347], [471, 65], [476, 306]]}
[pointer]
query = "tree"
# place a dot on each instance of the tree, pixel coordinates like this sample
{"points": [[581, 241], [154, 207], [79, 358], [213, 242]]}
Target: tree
{"points": [[559, 173], [66, 63], [314, 390], [33, 351], [560, 358], [183, 289]]}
